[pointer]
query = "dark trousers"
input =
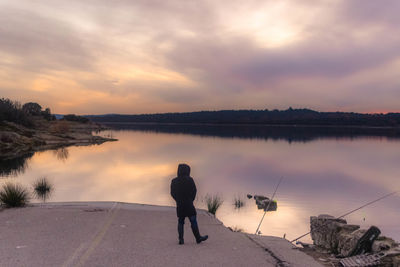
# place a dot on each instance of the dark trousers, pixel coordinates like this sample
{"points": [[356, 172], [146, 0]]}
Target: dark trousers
{"points": [[193, 224]]}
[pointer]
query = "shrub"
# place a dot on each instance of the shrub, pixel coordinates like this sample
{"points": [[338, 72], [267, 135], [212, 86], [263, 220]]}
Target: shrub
{"points": [[42, 188], [11, 111], [32, 108], [46, 114], [73, 117], [13, 195], [213, 203]]}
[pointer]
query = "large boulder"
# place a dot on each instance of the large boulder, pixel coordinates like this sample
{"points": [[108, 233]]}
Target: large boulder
{"points": [[326, 230], [336, 236]]}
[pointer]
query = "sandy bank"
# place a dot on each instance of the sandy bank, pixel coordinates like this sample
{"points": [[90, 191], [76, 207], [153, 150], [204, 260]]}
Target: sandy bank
{"points": [[122, 234]]}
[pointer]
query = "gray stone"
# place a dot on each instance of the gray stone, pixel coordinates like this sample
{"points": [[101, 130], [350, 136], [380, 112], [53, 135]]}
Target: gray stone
{"points": [[336, 236], [260, 197], [347, 241], [325, 230], [383, 243], [391, 259], [265, 203]]}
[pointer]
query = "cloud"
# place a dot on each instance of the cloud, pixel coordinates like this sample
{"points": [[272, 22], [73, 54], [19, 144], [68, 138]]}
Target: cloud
{"points": [[182, 56], [371, 13], [37, 43]]}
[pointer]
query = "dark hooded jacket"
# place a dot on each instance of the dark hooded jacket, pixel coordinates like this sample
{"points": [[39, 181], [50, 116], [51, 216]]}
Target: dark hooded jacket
{"points": [[183, 190]]}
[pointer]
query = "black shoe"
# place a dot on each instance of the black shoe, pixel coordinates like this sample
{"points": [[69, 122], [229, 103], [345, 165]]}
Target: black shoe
{"points": [[181, 242], [201, 239]]}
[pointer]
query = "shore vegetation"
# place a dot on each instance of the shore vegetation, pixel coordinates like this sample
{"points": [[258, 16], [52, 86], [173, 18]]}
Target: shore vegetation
{"points": [[213, 203], [42, 188], [13, 195], [238, 202]]}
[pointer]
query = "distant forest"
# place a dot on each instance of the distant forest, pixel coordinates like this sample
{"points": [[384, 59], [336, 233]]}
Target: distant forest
{"points": [[257, 117]]}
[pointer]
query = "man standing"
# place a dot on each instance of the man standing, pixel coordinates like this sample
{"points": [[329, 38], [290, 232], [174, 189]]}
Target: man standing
{"points": [[183, 190]]}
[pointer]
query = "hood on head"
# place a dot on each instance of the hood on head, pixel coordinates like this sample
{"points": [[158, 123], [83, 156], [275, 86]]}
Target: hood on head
{"points": [[183, 170]]}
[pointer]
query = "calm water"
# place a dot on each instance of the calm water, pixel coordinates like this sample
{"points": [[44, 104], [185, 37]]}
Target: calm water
{"points": [[320, 175]]}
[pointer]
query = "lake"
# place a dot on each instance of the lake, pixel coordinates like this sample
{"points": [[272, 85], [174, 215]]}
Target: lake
{"points": [[324, 171]]}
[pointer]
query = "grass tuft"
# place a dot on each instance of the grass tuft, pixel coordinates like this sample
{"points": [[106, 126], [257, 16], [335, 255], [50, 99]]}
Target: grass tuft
{"points": [[213, 203], [13, 195], [42, 188], [238, 202]]}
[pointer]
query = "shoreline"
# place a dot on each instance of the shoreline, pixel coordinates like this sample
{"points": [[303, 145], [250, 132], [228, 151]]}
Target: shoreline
{"points": [[257, 125], [18, 141]]}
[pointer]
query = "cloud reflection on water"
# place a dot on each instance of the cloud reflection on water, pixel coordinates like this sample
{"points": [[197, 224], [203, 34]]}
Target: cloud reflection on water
{"points": [[324, 176]]}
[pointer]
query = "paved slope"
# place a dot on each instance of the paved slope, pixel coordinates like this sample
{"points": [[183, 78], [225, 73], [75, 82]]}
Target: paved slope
{"points": [[119, 234]]}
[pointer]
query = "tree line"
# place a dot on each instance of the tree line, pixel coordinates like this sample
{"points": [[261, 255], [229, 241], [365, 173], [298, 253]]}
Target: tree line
{"points": [[13, 111], [270, 117]]}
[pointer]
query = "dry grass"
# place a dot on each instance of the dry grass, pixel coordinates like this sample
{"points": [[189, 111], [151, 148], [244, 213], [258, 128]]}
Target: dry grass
{"points": [[236, 229], [42, 188], [60, 127], [238, 202], [13, 195], [213, 203]]}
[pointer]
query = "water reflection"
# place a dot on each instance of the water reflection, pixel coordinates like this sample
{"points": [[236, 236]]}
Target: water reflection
{"points": [[43, 189], [323, 176], [15, 166], [271, 132], [18, 165], [61, 153]]}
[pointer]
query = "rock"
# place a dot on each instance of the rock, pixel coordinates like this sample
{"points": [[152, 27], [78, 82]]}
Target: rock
{"points": [[336, 236], [265, 203], [392, 258], [270, 205], [325, 230], [249, 196], [348, 241], [260, 197], [383, 243]]}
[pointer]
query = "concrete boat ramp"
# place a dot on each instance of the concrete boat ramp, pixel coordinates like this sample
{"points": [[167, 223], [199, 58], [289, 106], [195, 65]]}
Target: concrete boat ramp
{"points": [[122, 234]]}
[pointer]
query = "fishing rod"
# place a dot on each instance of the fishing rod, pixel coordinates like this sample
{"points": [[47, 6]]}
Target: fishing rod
{"points": [[269, 203], [350, 212]]}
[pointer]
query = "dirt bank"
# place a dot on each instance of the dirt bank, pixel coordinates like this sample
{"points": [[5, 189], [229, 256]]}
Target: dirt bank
{"points": [[17, 140]]}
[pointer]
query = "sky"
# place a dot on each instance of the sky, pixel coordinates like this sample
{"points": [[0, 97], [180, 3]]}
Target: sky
{"points": [[144, 56]]}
